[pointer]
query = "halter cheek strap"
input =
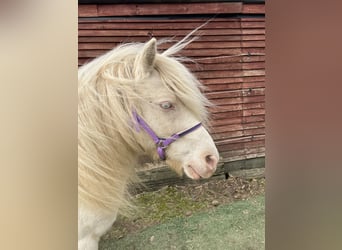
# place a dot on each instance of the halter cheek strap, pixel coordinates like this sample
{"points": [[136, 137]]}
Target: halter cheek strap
{"points": [[162, 143]]}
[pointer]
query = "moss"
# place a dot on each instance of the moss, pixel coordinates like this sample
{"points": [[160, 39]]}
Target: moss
{"points": [[166, 204]]}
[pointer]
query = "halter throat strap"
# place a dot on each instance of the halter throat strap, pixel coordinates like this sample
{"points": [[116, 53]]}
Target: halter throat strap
{"points": [[161, 143]]}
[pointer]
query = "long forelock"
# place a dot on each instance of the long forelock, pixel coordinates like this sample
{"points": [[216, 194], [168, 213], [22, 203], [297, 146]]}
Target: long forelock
{"points": [[181, 82]]}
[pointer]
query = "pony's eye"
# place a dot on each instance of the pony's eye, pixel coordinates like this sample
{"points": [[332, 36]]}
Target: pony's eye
{"points": [[166, 105]]}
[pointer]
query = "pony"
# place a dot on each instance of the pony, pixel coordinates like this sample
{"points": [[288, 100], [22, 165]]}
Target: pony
{"points": [[134, 102]]}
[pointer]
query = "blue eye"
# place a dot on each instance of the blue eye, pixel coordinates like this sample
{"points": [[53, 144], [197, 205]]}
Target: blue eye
{"points": [[166, 105]]}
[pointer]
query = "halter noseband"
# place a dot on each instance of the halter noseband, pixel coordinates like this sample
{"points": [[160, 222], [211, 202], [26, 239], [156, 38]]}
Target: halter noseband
{"points": [[162, 143]]}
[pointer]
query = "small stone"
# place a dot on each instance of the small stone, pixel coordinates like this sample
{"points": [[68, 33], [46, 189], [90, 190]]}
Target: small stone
{"points": [[188, 213], [152, 238], [215, 203]]}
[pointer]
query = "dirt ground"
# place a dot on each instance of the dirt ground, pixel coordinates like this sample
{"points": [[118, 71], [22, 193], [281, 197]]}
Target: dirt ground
{"points": [[154, 208]]}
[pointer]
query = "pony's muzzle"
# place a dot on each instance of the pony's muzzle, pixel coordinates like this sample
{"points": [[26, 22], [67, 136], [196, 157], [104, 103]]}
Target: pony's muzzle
{"points": [[204, 167]]}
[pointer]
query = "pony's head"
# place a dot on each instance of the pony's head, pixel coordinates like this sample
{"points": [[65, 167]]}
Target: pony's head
{"points": [[166, 96], [170, 103]]}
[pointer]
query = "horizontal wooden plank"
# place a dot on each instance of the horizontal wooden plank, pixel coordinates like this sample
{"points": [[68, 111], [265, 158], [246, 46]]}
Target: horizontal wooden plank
{"points": [[251, 37], [234, 143], [228, 156], [254, 99], [248, 174], [87, 10], [241, 145], [256, 118], [239, 140], [254, 131], [204, 68], [226, 135], [253, 31], [238, 113], [225, 105], [227, 128], [233, 146], [237, 127], [242, 57], [224, 94], [252, 51], [253, 24], [193, 45], [157, 9], [253, 9], [167, 9], [252, 112], [170, 33], [234, 104], [244, 157], [145, 38], [253, 91], [241, 148], [227, 66], [209, 82], [227, 121], [254, 125], [222, 87], [230, 73], [250, 18], [229, 136], [254, 84], [225, 115], [254, 105], [253, 79], [145, 24], [168, 19], [185, 52], [255, 144]]}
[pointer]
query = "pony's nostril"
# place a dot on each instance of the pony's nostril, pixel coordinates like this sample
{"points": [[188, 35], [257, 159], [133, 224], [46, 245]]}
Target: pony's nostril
{"points": [[211, 161]]}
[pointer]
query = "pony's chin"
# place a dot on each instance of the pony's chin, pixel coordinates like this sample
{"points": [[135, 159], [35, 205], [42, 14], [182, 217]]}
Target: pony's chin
{"points": [[191, 173]]}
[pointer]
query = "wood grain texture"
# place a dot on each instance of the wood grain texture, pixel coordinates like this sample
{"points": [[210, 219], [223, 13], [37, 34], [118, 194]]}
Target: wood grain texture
{"points": [[253, 9], [158, 9]]}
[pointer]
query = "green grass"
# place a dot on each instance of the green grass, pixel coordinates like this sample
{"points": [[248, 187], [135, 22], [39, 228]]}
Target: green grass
{"points": [[235, 226], [156, 205]]}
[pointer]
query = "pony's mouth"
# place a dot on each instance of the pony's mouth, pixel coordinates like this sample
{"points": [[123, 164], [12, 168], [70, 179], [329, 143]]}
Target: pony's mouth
{"points": [[191, 173]]}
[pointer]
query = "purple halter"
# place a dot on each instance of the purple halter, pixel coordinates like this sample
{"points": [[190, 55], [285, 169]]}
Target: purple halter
{"points": [[162, 143]]}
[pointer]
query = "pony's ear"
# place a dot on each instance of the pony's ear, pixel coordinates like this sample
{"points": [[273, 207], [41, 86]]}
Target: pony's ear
{"points": [[144, 61]]}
